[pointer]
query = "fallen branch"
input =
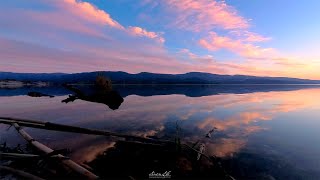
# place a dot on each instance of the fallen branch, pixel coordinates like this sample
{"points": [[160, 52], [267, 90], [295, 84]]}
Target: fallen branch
{"points": [[20, 173], [69, 163]]}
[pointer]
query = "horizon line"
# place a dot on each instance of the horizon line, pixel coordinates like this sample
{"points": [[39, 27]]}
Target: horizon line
{"points": [[157, 73]]}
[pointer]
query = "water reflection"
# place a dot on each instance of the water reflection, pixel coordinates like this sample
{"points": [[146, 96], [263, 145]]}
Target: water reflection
{"points": [[248, 125], [38, 94], [151, 90]]}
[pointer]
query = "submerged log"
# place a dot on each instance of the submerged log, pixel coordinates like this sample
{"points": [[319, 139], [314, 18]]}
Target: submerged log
{"points": [[18, 155], [69, 163], [20, 173], [26, 156], [68, 128]]}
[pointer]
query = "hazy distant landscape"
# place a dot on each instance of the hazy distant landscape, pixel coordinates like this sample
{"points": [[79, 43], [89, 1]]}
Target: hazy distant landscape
{"points": [[151, 78]]}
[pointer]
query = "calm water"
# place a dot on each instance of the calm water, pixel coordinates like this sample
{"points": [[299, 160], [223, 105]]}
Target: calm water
{"points": [[270, 130]]}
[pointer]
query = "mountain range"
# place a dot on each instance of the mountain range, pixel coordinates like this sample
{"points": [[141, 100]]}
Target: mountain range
{"points": [[119, 77]]}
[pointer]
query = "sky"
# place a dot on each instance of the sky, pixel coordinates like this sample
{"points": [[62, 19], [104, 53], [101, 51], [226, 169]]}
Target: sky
{"points": [[260, 37]]}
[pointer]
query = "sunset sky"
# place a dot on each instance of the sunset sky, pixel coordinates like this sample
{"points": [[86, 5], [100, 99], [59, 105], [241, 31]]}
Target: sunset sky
{"points": [[252, 37]]}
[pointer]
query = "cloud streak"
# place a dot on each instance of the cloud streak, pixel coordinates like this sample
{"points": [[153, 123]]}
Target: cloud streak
{"points": [[241, 47], [138, 31], [203, 15], [88, 12]]}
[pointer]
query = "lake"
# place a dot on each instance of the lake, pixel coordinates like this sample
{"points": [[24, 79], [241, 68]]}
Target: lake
{"points": [[263, 131]]}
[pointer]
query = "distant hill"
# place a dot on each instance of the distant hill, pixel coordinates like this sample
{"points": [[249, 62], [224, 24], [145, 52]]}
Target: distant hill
{"points": [[153, 78]]}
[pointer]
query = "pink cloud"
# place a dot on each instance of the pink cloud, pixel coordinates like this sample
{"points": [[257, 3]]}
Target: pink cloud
{"points": [[203, 59], [215, 42], [253, 37], [74, 15], [76, 36], [249, 36], [203, 15], [138, 31], [89, 12], [64, 15]]}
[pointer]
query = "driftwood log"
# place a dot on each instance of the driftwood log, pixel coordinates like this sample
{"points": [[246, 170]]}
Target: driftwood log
{"points": [[67, 162], [18, 155]]}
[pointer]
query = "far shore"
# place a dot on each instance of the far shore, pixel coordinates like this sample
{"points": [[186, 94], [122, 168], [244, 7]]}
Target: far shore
{"points": [[12, 84]]}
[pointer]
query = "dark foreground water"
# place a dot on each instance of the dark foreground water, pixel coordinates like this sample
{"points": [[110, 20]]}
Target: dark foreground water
{"points": [[263, 131]]}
